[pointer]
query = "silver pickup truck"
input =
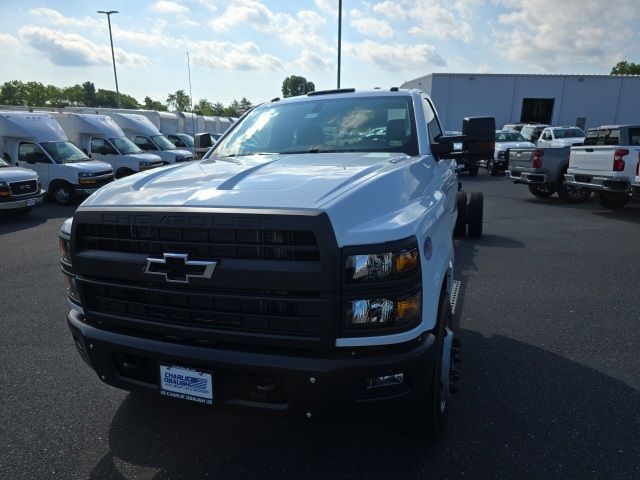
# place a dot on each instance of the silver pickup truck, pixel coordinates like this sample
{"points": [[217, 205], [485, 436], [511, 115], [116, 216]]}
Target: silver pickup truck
{"points": [[542, 170]]}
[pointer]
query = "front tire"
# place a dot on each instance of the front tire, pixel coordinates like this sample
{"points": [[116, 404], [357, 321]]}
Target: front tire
{"points": [[613, 200], [542, 191], [434, 409], [63, 193]]}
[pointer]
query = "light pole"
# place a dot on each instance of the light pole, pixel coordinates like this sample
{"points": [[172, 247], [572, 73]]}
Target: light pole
{"points": [[113, 57], [339, 37]]}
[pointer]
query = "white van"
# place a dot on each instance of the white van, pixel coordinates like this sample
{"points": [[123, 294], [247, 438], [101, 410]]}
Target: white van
{"points": [[36, 141], [147, 136], [102, 139]]}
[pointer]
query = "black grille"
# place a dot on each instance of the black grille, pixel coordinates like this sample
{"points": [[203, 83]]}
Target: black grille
{"points": [[280, 312], [201, 242], [24, 188]]}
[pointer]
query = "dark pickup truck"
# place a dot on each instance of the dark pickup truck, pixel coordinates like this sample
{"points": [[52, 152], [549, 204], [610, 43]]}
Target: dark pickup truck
{"points": [[542, 170]]}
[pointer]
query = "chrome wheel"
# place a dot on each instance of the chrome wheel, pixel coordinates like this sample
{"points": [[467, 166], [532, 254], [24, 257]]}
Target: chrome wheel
{"points": [[62, 195]]}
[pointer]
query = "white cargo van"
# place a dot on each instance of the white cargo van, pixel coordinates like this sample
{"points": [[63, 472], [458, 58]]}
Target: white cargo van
{"points": [[102, 139], [147, 136], [36, 141]]}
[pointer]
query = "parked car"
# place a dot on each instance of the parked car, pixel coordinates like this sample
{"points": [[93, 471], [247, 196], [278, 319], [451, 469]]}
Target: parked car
{"points": [[289, 273], [558, 137], [607, 163], [20, 188], [542, 170], [505, 140], [37, 142], [531, 132]]}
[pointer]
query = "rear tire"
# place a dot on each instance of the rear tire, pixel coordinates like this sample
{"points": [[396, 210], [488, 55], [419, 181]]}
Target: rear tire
{"points": [[62, 193], [475, 212], [434, 409], [542, 191], [613, 200], [461, 220]]}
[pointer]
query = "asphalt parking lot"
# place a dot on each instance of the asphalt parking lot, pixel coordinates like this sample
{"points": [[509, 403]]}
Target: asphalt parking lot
{"points": [[550, 379]]}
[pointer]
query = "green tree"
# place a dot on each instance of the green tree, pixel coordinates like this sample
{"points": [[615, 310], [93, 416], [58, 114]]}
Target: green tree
{"points": [[203, 107], [180, 101], [294, 85], [127, 101], [150, 104], [89, 94], [13, 93], [36, 94], [217, 109], [74, 95], [626, 68], [233, 110], [244, 105]]}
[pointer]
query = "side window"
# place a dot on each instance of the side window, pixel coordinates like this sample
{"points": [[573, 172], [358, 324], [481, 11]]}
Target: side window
{"points": [[433, 127], [634, 136], [176, 140], [102, 147], [612, 137], [32, 153], [144, 143], [591, 138]]}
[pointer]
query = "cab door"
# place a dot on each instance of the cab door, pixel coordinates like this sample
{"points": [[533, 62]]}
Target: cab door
{"points": [[31, 156], [101, 149]]}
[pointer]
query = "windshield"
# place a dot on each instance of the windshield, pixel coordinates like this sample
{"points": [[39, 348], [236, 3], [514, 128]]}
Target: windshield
{"points": [[124, 145], [163, 143], [509, 137], [360, 124], [568, 133], [187, 139], [64, 152]]}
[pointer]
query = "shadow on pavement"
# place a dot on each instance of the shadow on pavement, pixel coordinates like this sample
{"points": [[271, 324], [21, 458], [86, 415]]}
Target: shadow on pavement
{"points": [[20, 221], [522, 412]]}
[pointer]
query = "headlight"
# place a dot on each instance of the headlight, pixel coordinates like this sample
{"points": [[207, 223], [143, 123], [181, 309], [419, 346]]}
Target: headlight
{"points": [[4, 189], [86, 174], [63, 241], [375, 267], [383, 312], [146, 164]]}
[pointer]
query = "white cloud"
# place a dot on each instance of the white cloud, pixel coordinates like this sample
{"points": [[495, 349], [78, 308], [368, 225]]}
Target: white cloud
{"points": [[313, 62], [167, 6], [396, 57], [209, 4], [72, 50], [390, 9], [8, 41], [441, 21], [54, 17], [327, 6], [233, 56], [577, 32], [369, 26]]}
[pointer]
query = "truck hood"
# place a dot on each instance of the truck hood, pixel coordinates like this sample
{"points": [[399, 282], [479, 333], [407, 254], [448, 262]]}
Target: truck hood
{"points": [[16, 174], [300, 181], [144, 157], [501, 146], [94, 166]]}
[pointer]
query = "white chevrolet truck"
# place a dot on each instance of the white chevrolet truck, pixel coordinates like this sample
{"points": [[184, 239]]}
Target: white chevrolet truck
{"points": [[303, 268], [607, 164]]}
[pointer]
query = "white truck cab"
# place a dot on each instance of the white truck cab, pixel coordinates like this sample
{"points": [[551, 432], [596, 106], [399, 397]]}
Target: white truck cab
{"points": [[146, 136], [37, 142], [102, 139], [560, 137]]}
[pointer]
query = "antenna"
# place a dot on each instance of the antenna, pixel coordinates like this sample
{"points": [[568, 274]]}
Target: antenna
{"points": [[193, 126]]}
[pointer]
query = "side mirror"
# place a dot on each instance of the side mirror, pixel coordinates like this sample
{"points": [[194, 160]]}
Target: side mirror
{"points": [[478, 140], [202, 140]]}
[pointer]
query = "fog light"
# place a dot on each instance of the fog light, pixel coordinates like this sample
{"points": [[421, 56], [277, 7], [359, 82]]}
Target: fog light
{"points": [[385, 381]]}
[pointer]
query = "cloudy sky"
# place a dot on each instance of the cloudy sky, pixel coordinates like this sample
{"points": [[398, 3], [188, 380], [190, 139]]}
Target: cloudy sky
{"points": [[247, 47]]}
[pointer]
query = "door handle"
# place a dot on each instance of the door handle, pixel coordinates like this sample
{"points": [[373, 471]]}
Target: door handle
{"points": [[588, 150]]}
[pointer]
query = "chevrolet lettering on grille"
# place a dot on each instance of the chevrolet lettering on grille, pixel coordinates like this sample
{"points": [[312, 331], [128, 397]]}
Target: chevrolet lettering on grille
{"points": [[177, 268]]}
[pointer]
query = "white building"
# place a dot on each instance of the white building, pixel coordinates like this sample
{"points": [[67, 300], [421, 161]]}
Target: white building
{"points": [[580, 100]]}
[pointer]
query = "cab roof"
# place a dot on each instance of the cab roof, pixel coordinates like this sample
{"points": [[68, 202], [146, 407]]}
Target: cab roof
{"points": [[40, 127]]}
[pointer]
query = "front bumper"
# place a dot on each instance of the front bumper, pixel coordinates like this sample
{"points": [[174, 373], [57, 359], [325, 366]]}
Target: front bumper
{"points": [[27, 201], [528, 178], [598, 184], [304, 386]]}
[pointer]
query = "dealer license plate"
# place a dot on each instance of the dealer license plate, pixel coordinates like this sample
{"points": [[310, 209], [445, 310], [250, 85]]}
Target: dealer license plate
{"points": [[31, 202], [186, 384]]}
